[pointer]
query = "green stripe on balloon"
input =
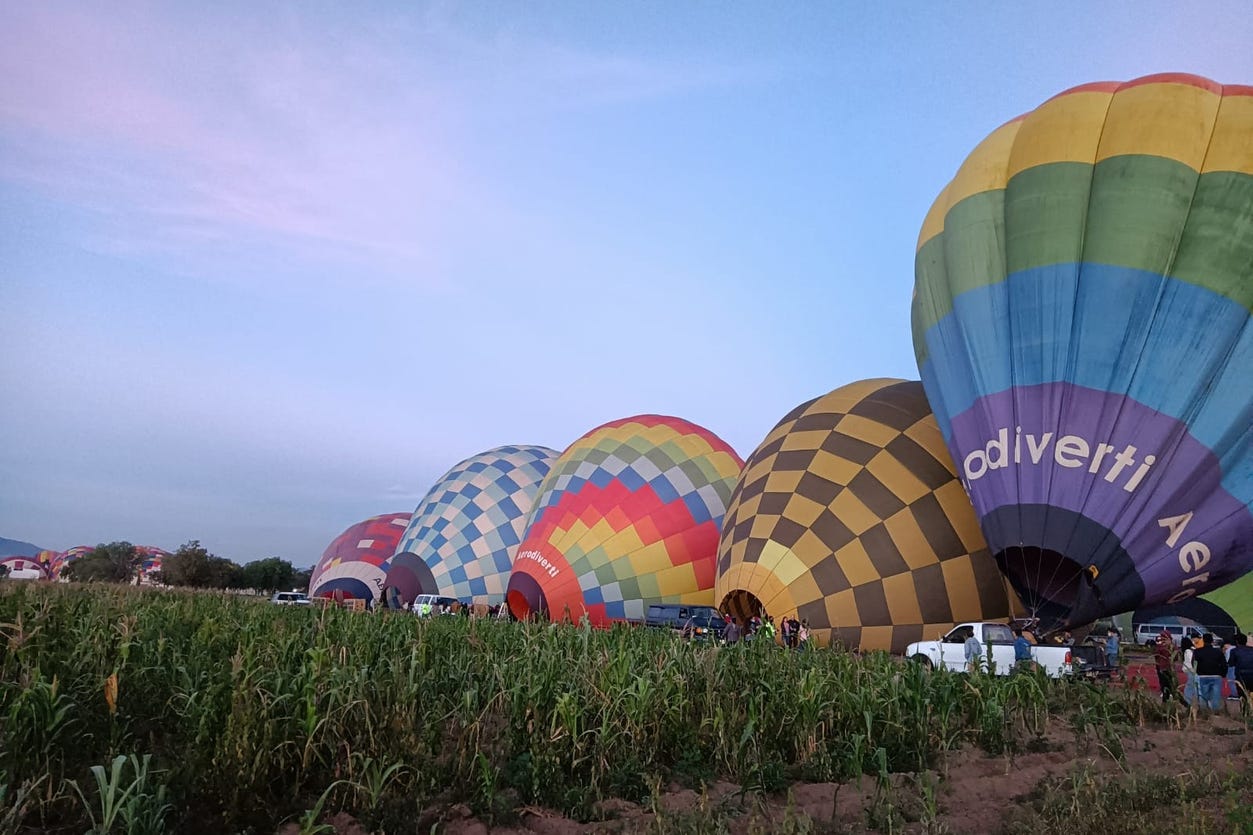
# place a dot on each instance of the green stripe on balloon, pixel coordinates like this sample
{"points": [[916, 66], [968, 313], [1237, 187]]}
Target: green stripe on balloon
{"points": [[1147, 213]]}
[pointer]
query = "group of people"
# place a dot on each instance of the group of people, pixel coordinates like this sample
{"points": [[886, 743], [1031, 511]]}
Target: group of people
{"points": [[795, 633], [1206, 665]]}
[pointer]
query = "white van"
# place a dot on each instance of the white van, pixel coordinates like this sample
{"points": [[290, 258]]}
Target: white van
{"points": [[1146, 633]]}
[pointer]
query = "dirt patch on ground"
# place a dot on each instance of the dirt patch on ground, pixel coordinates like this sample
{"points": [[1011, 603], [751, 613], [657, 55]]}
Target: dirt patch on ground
{"points": [[971, 793]]}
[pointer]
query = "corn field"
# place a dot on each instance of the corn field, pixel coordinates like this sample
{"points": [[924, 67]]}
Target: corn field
{"points": [[130, 710]]}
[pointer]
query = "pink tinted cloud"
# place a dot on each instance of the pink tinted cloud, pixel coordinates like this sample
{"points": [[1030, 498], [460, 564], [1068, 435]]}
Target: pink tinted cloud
{"points": [[261, 138], [187, 127]]}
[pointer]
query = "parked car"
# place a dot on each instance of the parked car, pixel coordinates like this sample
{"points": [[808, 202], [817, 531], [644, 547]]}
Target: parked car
{"points": [[998, 648], [435, 604], [291, 598], [1146, 633], [706, 622]]}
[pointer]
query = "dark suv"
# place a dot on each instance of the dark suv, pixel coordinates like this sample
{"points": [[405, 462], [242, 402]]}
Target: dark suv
{"points": [[706, 622]]}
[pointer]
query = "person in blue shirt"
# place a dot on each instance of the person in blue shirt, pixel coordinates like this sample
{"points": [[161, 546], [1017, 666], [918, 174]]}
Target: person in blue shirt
{"points": [[1022, 651], [1111, 648]]}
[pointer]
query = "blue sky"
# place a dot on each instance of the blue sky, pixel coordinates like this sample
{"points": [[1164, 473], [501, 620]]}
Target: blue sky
{"points": [[267, 272]]}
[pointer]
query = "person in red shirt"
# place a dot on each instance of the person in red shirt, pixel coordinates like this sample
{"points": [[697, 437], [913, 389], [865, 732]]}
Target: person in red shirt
{"points": [[1164, 660]]}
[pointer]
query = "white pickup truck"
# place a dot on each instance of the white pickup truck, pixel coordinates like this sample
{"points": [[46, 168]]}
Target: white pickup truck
{"points": [[998, 647]]}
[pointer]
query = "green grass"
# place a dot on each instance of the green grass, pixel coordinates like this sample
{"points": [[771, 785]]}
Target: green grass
{"points": [[239, 715]]}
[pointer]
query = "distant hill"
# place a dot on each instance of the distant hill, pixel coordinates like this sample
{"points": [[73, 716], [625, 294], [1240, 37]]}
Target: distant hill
{"points": [[17, 548]]}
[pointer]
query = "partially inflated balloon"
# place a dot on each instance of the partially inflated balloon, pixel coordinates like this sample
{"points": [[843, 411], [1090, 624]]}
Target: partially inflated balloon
{"points": [[849, 516], [629, 515], [13, 564], [65, 558], [464, 533], [47, 559], [355, 563], [150, 559], [1082, 325]]}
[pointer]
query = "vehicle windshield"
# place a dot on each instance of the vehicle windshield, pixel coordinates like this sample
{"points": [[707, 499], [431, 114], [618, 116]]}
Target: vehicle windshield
{"points": [[996, 633], [960, 634]]}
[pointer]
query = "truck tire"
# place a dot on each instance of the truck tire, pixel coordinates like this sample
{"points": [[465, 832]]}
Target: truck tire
{"points": [[921, 660]]}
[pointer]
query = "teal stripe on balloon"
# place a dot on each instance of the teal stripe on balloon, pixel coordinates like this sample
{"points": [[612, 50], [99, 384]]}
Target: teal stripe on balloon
{"points": [[1175, 347]]}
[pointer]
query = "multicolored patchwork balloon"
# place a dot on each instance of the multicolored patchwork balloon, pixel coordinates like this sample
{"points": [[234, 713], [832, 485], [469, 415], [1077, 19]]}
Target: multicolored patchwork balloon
{"points": [[629, 515], [150, 558], [1081, 321], [66, 557], [463, 535], [356, 562]]}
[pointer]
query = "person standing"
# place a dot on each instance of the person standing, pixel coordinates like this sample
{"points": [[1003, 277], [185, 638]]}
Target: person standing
{"points": [[1211, 668], [1111, 647], [1164, 661], [1230, 684], [1189, 670], [974, 652], [1241, 662], [1022, 652], [732, 633]]}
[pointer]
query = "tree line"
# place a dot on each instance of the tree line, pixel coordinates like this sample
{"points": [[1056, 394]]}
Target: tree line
{"points": [[190, 566]]}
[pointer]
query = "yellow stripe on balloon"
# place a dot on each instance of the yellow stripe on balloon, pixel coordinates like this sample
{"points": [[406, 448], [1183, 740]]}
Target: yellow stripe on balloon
{"points": [[1231, 147], [1064, 129], [1174, 121], [986, 169]]}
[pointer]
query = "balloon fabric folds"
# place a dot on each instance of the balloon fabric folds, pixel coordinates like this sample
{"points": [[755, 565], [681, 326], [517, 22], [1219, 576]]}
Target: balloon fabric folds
{"points": [[849, 516], [463, 535], [629, 515], [1081, 321], [356, 562]]}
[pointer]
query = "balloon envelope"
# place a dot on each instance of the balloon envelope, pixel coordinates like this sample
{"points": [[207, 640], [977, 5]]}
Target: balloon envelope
{"points": [[629, 515], [354, 564], [1081, 324], [24, 567], [463, 535], [68, 556], [849, 516]]}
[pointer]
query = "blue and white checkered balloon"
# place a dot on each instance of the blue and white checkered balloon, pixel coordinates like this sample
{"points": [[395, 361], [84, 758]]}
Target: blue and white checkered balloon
{"points": [[464, 534]]}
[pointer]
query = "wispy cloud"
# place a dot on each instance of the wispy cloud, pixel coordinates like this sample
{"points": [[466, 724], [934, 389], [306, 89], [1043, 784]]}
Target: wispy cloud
{"points": [[361, 146]]}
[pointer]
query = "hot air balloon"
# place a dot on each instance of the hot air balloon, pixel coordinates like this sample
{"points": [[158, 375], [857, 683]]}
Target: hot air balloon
{"points": [[849, 516], [1081, 323], [150, 558], [356, 562], [66, 557], [24, 568], [629, 515], [463, 535], [47, 559]]}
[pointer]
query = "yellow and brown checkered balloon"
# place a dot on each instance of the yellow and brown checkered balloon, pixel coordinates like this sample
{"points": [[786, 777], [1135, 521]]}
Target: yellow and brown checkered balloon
{"points": [[850, 516]]}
